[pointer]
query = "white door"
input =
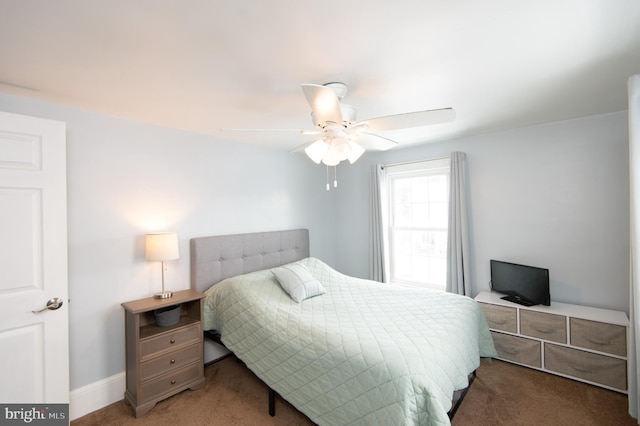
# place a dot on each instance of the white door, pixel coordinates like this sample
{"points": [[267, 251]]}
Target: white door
{"points": [[34, 347]]}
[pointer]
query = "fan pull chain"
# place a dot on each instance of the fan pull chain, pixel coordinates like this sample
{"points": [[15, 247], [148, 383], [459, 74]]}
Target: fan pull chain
{"points": [[328, 187], [335, 176]]}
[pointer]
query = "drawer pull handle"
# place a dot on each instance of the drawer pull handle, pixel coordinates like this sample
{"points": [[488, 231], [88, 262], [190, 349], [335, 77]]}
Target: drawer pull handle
{"points": [[600, 342], [172, 341], [173, 382], [173, 361], [581, 370]]}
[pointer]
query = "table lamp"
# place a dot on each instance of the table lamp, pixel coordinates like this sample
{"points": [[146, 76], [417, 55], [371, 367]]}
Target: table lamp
{"points": [[162, 246]]}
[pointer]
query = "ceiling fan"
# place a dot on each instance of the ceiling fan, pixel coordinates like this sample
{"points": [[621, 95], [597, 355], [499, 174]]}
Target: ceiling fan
{"points": [[342, 137], [339, 136]]}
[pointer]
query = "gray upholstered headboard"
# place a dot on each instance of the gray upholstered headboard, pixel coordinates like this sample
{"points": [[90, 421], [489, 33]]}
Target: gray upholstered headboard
{"points": [[216, 258]]}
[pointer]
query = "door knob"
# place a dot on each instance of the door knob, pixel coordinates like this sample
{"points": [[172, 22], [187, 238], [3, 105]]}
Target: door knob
{"points": [[52, 305]]}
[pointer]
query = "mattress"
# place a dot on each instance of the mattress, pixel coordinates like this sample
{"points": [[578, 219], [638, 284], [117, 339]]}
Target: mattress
{"points": [[363, 353]]}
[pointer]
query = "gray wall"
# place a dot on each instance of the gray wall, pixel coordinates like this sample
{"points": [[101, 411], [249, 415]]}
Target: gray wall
{"points": [[554, 196], [126, 178]]}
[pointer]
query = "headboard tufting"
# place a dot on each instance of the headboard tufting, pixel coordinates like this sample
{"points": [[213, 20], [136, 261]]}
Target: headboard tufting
{"points": [[218, 257]]}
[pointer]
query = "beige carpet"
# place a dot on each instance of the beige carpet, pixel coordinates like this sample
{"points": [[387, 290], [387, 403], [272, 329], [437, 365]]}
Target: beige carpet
{"points": [[502, 394]]}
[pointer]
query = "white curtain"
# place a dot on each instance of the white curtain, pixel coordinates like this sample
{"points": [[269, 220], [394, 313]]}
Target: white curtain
{"points": [[458, 257], [634, 292], [377, 261]]}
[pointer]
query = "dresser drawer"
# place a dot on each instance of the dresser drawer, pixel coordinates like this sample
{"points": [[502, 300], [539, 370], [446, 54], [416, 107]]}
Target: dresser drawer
{"points": [[609, 338], [543, 326], [169, 382], [170, 339], [588, 366], [170, 361], [500, 317], [518, 349]]}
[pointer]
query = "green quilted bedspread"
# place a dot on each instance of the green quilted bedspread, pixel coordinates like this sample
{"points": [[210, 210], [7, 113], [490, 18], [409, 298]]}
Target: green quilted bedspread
{"points": [[363, 353]]}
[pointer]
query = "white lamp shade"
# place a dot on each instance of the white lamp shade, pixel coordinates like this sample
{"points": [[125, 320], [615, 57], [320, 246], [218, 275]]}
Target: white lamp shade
{"points": [[316, 150], [356, 152], [331, 158], [162, 246], [342, 148]]}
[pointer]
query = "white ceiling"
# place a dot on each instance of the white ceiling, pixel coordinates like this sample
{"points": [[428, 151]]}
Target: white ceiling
{"points": [[203, 65]]}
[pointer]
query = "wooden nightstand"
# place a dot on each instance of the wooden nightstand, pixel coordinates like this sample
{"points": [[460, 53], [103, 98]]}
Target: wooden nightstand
{"points": [[162, 361]]}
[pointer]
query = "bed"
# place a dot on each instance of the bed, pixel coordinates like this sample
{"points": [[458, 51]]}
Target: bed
{"points": [[346, 350]]}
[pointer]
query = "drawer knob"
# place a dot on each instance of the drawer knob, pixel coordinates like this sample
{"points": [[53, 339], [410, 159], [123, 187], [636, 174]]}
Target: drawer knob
{"points": [[172, 341], [173, 382], [173, 361]]}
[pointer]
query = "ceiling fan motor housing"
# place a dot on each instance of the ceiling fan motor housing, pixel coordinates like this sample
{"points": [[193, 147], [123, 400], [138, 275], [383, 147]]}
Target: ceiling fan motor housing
{"points": [[349, 115]]}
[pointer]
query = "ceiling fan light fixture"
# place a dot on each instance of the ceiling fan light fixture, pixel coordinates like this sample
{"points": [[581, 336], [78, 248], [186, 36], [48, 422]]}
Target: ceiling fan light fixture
{"points": [[356, 152], [332, 157], [317, 150], [341, 148]]}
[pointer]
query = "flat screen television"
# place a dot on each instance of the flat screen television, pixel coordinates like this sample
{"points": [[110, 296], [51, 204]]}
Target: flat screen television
{"points": [[526, 285]]}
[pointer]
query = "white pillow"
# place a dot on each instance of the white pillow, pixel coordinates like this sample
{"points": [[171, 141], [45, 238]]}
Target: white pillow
{"points": [[298, 282]]}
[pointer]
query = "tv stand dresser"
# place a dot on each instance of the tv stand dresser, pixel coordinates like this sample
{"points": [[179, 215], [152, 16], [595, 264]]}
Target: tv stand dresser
{"points": [[577, 342]]}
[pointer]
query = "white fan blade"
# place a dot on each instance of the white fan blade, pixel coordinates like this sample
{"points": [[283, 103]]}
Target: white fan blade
{"points": [[302, 147], [302, 132], [374, 142], [324, 103], [410, 119]]}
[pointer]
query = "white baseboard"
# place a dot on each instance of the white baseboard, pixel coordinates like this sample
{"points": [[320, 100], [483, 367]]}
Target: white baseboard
{"points": [[97, 395]]}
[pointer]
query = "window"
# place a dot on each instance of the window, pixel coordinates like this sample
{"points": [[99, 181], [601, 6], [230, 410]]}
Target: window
{"points": [[418, 219]]}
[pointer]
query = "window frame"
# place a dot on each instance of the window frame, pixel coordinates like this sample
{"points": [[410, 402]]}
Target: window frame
{"points": [[436, 167]]}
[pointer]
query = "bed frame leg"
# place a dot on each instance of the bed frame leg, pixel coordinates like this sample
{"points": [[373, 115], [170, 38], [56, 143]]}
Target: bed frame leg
{"points": [[272, 402], [452, 412]]}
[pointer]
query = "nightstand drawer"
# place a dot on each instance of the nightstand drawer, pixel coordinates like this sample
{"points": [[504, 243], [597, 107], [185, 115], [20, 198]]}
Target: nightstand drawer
{"points": [[518, 349], [544, 326], [592, 367], [500, 317], [599, 336], [169, 361], [168, 340], [168, 382]]}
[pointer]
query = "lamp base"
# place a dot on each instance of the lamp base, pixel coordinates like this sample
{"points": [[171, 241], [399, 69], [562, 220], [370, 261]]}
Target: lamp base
{"points": [[163, 295]]}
